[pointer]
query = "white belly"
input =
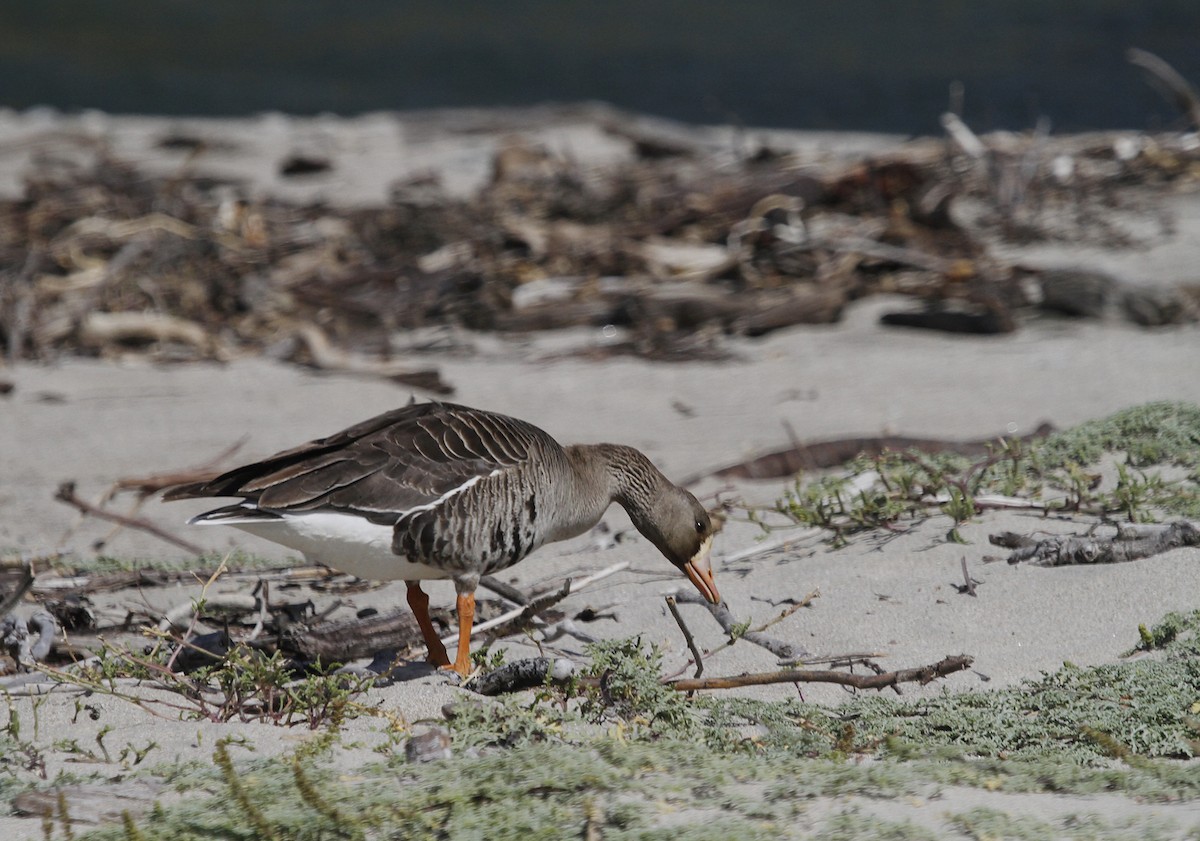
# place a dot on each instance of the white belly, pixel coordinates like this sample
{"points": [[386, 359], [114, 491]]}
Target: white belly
{"points": [[343, 541]]}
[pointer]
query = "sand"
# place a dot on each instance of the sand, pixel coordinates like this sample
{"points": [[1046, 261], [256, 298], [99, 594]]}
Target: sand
{"points": [[93, 422]]}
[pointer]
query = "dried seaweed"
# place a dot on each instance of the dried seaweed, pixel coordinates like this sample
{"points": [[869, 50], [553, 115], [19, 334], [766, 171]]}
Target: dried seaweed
{"points": [[99, 257]]}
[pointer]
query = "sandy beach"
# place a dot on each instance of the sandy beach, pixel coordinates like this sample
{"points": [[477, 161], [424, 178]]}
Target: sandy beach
{"points": [[93, 422]]}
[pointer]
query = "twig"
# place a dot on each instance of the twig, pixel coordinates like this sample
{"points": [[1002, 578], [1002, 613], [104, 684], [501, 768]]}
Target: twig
{"points": [[729, 623], [1168, 81], [529, 613], [569, 588], [687, 635], [66, 493], [167, 623], [145, 486], [854, 657], [920, 674], [506, 591], [184, 615], [969, 587], [965, 139], [325, 356], [754, 635], [766, 548], [100, 329]]}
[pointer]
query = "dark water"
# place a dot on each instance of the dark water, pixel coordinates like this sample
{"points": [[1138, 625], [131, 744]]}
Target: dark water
{"points": [[880, 65]]}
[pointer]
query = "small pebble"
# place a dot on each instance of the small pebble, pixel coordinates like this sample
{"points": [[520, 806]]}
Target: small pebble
{"points": [[428, 745]]}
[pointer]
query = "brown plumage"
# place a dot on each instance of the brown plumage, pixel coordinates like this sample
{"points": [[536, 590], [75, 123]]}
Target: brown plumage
{"points": [[437, 490]]}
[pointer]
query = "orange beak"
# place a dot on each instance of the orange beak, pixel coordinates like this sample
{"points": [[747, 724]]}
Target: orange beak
{"points": [[699, 572]]}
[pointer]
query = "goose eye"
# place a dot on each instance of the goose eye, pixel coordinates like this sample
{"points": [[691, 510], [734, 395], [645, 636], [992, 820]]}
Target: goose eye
{"points": [[699, 527]]}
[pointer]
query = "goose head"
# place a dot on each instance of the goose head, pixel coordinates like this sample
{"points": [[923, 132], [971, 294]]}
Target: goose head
{"points": [[682, 530]]}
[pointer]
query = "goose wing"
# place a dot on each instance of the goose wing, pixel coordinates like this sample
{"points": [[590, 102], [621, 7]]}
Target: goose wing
{"points": [[383, 467]]}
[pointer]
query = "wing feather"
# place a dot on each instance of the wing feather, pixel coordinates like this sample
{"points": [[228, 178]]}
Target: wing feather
{"points": [[384, 466]]}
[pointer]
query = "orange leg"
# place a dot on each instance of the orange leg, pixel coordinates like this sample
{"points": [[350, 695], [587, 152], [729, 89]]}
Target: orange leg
{"points": [[466, 619], [419, 602]]}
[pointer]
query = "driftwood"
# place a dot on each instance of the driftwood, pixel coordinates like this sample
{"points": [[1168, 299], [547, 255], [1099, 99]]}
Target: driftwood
{"points": [[325, 356], [75, 585], [89, 803], [353, 639], [883, 680], [686, 307], [185, 615], [100, 254], [103, 329], [524, 674], [1130, 543], [986, 322], [822, 454]]}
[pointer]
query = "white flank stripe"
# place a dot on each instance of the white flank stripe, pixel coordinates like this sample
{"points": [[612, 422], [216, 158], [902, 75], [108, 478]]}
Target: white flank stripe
{"points": [[448, 494]]}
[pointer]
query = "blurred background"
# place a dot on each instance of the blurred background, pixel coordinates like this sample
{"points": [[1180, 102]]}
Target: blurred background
{"points": [[877, 65]]}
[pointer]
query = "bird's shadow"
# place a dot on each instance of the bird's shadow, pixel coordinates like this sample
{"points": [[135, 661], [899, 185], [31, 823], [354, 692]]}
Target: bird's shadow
{"points": [[387, 668]]}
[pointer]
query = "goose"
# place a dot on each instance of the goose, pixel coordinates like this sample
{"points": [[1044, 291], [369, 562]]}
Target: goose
{"points": [[438, 490]]}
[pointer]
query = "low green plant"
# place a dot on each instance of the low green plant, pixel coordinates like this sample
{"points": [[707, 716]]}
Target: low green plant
{"points": [[623, 685], [1147, 705], [245, 685], [1060, 471]]}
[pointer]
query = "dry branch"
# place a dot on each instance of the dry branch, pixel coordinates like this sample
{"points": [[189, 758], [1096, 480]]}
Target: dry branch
{"points": [[966, 140], [729, 624], [1128, 544], [145, 486], [529, 613], [325, 356], [968, 586], [66, 493], [697, 657], [101, 329], [541, 603], [1168, 81], [920, 674], [11, 599], [504, 590]]}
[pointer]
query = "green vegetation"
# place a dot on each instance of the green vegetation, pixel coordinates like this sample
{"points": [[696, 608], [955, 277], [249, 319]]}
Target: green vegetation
{"points": [[1064, 470], [617, 754], [631, 756], [244, 685]]}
